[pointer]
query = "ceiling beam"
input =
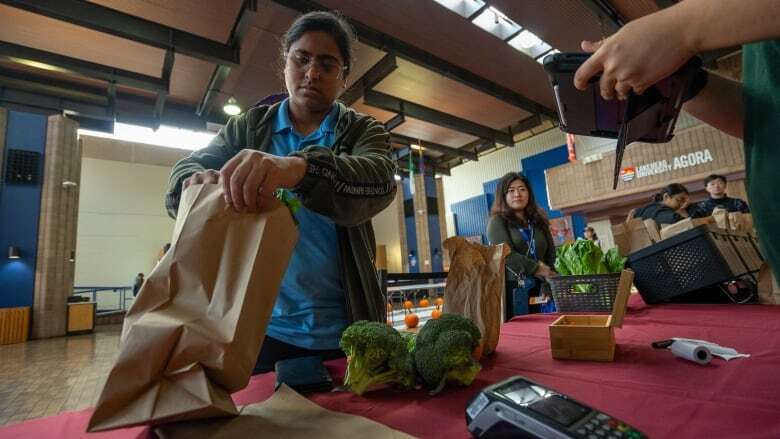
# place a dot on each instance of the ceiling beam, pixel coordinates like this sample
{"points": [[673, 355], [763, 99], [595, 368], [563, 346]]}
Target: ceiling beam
{"points": [[429, 169], [609, 18], [379, 71], [388, 43], [395, 122], [113, 22], [436, 117], [57, 96], [526, 124], [404, 140], [19, 54], [218, 77]]}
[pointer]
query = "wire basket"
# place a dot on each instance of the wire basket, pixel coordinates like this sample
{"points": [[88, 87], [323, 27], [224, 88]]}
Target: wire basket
{"points": [[585, 293], [692, 260]]}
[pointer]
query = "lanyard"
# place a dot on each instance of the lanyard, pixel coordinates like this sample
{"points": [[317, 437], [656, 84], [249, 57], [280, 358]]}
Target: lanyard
{"points": [[528, 237]]}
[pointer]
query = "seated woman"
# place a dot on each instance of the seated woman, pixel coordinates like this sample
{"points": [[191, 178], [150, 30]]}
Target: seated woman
{"points": [[666, 203], [517, 221]]}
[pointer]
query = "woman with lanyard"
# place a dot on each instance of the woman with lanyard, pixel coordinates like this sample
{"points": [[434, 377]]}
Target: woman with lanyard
{"points": [[336, 161], [517, 221]]}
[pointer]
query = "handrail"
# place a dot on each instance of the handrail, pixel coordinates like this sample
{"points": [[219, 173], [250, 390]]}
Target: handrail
{"points": [[93, 293]]}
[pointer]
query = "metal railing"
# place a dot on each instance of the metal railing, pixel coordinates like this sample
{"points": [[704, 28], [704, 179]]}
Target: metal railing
{"points": [[115, 299]]}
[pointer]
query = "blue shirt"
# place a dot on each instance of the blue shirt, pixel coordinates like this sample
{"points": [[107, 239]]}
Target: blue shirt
{"points": [[310, 311]]}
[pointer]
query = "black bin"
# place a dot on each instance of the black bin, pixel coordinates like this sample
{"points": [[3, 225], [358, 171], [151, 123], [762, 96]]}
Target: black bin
{"points": [[692, 260]]}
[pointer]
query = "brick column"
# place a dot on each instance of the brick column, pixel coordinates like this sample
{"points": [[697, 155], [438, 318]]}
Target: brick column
{"points": [[442, 221], [57, 228], [399, 202], [421, 223]]}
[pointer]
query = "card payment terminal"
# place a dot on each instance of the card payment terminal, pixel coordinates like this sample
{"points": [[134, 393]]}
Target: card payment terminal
{"points": [[520, 408]]}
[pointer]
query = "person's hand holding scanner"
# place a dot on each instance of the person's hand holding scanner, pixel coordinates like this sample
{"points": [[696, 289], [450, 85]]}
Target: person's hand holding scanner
{"points": [[640, 54]]}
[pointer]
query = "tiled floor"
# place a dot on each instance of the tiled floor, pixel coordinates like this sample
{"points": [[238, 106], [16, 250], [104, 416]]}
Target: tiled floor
{"points": [[46, 377]]}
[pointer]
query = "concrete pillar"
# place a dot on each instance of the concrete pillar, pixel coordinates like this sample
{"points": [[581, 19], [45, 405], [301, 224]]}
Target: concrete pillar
{"points": [[442, 212], [57, 228], [399, 202], [420, 203]]}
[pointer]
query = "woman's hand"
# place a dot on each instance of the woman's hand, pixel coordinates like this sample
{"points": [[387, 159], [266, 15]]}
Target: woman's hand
{"points": [[544, 271], [202, 177], [640, 54], [250, 178]]}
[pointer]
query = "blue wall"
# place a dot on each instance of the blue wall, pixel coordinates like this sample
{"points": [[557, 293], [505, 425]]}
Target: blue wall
{"points": [[19, 213], [534, 167], [471, 216]]}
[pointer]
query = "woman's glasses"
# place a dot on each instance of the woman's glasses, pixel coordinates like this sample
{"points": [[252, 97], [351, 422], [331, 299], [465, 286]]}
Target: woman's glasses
{"points": [[328, 68]]}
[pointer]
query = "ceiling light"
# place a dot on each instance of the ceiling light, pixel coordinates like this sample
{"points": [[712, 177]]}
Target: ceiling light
{"points": [[416, 147], [397, 177], [494, 21], [38, 65], [525, 40], [464, 8], [231, 107]]}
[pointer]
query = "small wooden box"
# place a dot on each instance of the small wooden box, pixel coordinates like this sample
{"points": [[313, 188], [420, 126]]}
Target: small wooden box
{"points": [[591, 337]]}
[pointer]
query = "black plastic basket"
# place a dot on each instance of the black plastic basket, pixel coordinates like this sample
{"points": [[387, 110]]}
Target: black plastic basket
{"points": [[692, 260], [586, 293]]}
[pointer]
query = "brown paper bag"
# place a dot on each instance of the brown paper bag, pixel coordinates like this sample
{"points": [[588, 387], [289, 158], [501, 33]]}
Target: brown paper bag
{"points": [[193, 334], [768, 289], [721, 217], [286, 415], [475, 286]]}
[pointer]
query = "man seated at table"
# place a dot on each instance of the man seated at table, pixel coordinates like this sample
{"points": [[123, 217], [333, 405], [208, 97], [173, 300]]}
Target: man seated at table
{"points": [[715, 185]]}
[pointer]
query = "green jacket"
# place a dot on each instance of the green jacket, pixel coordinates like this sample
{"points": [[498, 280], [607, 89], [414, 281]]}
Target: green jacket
{"points": [[349, 183], [501, 231]]}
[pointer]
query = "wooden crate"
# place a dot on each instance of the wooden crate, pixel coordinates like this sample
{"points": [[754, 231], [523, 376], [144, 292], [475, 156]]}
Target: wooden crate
{"points": [[591, 337], [14, 325]]}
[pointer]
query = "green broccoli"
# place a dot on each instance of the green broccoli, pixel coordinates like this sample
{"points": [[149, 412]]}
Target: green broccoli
{"points": [[376, 354], [443, 351]]}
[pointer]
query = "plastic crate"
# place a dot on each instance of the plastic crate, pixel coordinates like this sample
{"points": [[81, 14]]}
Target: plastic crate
{"points": [[600, 296], [698, 258]]}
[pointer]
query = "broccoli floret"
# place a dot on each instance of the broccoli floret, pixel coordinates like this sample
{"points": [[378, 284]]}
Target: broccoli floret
{"points": [[443, 351], [376, 354]]}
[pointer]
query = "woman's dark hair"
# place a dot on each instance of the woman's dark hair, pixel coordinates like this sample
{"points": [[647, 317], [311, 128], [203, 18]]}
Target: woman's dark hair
{"points": [[593, 233], [671, 190], [320, 21], [532, 211]]}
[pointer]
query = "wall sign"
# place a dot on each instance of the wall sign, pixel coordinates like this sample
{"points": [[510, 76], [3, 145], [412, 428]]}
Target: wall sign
{"points": [[683, 161]]}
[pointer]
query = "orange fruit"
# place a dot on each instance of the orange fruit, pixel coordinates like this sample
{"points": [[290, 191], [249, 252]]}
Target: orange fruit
{"points": [[411, 320], [435, 314], [425, 303], [439, 301], [408, 304]]}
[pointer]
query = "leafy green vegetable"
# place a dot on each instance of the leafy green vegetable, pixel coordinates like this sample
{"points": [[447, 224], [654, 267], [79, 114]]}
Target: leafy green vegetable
{"points": [[614, 261], [584, 257]]}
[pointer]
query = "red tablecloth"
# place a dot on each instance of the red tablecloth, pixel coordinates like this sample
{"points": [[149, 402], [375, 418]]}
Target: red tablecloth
{"points": [[659, 394]]}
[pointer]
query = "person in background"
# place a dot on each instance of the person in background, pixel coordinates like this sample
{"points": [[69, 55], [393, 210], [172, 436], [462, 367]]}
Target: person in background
{"points": [[652, 47], [139, 281], [336, 162], [590, 234], [715, 185], [663, 209], [517, 221]]}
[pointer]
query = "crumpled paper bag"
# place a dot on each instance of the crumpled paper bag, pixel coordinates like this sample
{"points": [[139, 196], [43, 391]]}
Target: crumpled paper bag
{"points": [[475, 286], [286, 415], [194, 332]]}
